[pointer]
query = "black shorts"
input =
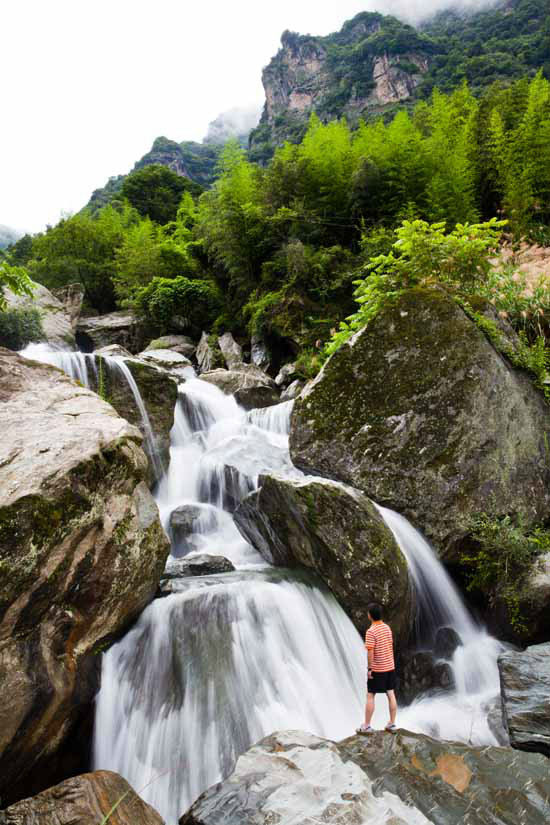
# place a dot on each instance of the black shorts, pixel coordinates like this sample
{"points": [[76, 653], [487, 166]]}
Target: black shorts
{"points": [[381, 682]]}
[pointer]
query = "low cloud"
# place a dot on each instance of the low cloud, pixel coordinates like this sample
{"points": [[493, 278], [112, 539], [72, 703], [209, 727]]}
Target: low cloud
{"points": [[236, 122], [419, 11]]}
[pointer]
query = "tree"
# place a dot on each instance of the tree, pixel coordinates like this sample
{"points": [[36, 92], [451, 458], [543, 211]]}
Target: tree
{"points": [[156, 191]]}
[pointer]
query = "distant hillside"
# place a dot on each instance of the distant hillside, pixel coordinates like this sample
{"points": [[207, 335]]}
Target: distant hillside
{"points": [[196, 161], [8, 236], [377, 63]]}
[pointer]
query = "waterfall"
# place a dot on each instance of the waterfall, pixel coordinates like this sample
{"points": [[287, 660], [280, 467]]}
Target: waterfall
{"points": [[83, 367], [232, 657]]}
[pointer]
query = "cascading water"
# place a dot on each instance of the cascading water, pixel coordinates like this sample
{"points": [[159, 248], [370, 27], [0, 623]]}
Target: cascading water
{"points": [[230, 658], [83, 367]]}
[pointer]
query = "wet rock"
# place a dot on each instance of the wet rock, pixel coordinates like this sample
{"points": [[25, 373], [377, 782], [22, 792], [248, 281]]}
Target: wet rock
{"points": [[420, 412], [207, 354], [226, 488], [81, 554], [122, 328], [199, 565], [251, 386], [177, 343], [165, 358], [231, 351], [495, 722], [420, 672], [295, 778], [446, 642], [340, 535], [525, 690], [452, 783], [55, 318], [286, 375], [189, 519], [113, 350], [293, 390], [84, 800], [259, 352]]}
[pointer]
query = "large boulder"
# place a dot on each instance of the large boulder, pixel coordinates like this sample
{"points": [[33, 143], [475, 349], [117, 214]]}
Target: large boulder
{"points": [[294, 778], [208, 353], [251, 387], [231, 351], [177, 343], [81, 554], [534, 600], [260, 355], [167, 358], [55, 317], [339, 534], [420, 411], [121, 327], [199, 565], [525, 690], [158, 391], [84, 800]]}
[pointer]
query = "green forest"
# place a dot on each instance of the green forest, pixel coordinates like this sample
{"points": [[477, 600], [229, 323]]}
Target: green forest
{"points": [[279, 250]]}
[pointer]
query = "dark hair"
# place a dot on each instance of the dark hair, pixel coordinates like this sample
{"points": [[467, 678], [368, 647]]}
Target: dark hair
{"points": [[375, 611]]}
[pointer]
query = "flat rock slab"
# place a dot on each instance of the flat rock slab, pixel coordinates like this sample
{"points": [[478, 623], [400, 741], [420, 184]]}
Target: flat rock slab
{"points": [[295, 778], [83, 800], [165, 358], [525, 690]]}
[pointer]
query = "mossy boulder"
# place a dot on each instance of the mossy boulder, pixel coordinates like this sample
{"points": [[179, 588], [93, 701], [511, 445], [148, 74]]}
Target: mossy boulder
{"points": [[422, 413], [81, 554], [159, 392], [336, 532]]}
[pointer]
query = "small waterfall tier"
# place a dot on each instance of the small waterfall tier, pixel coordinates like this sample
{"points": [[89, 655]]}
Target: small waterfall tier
{"points": [[232, 657]]}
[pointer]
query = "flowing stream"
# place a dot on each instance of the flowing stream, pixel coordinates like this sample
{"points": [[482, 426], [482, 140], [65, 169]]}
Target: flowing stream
{"points": [[229, 658]]}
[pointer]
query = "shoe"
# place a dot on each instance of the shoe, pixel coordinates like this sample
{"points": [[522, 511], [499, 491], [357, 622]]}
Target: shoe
{"points": [[391, 728], [364, 730]]}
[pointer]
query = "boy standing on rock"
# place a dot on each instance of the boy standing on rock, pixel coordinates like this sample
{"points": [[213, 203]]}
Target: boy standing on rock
{"points": [[381, 668]]}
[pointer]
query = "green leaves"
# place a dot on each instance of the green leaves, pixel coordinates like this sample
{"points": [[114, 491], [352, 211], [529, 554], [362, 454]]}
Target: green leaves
{"points": [[15, 278]]}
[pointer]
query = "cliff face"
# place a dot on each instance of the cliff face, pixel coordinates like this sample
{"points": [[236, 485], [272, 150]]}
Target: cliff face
{"points": [[372, 62]]}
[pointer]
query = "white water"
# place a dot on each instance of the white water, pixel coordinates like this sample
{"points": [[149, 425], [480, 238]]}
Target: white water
{"points": [[81, 365], [213, 668]]}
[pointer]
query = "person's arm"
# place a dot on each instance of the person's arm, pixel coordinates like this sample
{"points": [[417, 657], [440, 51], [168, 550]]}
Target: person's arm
{"points": [[369, 644]]}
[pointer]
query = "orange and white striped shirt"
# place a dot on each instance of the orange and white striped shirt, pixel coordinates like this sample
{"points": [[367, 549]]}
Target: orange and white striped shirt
{"points": [[379, 639]]}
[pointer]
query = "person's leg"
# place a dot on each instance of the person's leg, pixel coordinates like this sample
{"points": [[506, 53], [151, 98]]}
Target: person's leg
{"points": [[392, 704], [369, 710]]}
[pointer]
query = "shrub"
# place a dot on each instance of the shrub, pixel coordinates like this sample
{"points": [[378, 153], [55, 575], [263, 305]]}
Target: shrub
{"points": [[196, 302], [19, 327], [502, 556]]}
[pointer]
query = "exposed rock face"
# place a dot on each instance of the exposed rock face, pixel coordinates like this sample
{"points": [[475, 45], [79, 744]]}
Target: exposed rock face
{"points": [[420, 672], [208, 356], [251, 386], [81, 554], [71, 296], [113, 350], [406, 779], [121, 328], [231, 351], [177, 343], [259, 352], [189, 519], [83, 800], [340, 535], [56, 320], [304, 76], [525, 689], [420, 412], [535, 600]]}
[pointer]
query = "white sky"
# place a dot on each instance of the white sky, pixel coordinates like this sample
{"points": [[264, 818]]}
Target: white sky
{"points": [[88, 84]]}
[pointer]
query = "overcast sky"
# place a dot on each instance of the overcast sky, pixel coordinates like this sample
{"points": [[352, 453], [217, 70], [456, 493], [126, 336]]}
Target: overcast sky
{"points": [[88, 84]]}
